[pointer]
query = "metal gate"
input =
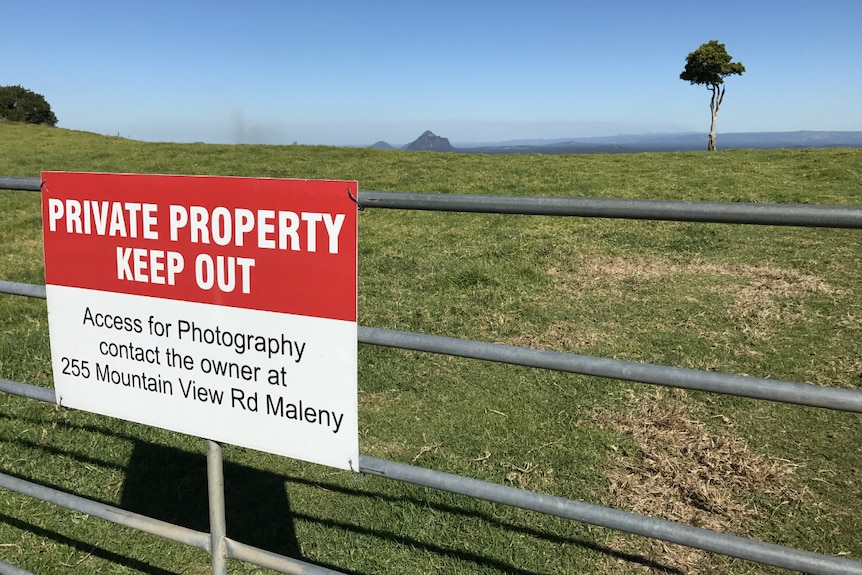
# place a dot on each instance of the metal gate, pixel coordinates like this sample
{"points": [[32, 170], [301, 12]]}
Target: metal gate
{"points": [[221, 547]]}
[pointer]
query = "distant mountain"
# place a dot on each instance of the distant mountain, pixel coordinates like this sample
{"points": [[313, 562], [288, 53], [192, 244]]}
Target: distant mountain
{"points": [[428, 141], [671, 143], [632, 143], [381, 145]]}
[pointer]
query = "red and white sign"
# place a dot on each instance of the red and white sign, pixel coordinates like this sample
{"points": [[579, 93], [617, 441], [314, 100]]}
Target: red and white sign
{"points": [[219, 307]]}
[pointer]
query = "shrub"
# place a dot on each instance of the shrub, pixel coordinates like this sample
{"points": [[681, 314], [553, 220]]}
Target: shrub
{"points": [[18, 104]]}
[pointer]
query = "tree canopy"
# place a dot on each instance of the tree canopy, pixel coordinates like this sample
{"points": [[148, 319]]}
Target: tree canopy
{"points": [[708, 66], [18, 104]]}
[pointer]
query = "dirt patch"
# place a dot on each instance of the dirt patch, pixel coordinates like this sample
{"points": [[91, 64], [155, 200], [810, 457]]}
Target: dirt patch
{"points": [[684, 472]]}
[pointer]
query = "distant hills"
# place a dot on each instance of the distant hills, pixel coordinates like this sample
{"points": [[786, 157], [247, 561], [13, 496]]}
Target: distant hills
{"points": [[641, 143]]}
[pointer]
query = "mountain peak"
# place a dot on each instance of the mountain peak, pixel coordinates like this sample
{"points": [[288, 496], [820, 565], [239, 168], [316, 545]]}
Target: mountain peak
{"points": [[429, 141]]}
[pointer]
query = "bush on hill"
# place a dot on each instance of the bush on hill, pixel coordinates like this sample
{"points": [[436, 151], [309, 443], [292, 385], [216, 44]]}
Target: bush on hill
{"points": [[18, 104]]}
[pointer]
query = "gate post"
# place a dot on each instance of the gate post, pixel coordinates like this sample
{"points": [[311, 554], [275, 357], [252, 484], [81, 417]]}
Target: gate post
{"points": [[215, 489]]}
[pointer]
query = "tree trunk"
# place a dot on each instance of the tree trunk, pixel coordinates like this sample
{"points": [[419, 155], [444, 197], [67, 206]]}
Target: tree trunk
{"points": [[711, 146], [714, 105]]}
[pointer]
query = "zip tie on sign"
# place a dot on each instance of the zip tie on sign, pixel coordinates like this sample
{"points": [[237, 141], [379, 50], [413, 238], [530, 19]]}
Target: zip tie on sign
{"points": [[355, 200]]}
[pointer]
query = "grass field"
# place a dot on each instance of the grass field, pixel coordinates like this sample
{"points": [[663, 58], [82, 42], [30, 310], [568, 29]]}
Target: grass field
{"points": [[782, 303]]}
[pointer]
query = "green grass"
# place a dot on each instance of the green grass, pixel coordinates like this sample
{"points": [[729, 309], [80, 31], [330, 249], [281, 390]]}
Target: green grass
{"points": [[783, 303]]}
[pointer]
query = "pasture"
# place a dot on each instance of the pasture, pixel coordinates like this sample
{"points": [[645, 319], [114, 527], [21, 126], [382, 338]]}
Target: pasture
{"points": [[776, 302]]}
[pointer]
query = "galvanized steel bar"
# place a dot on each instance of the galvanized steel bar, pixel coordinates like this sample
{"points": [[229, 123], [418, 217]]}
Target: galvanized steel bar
{"points": [[752, 550], [110, 513], [29, 391], [18, 288], [9, 569], [745, 386], [218, 526], [23, 184], [270, 560], [637, 209], [740, 385]]}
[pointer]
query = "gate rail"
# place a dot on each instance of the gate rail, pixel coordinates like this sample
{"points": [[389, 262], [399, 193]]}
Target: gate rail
{"points": [[220, 547]]}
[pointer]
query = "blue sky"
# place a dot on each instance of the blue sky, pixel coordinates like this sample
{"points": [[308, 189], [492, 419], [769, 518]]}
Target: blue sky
{"points": [[355, 72]]}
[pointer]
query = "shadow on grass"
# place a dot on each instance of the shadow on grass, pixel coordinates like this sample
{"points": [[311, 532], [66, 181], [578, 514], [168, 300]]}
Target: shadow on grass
{"points": [[170, 484], [400, 538], [84, 547]]}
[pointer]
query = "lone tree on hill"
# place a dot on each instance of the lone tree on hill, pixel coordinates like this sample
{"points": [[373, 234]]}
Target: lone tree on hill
{"points": [[18, 104], [709, 65]]}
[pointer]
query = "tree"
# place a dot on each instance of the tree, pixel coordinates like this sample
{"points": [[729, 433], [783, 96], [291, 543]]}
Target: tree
{"points": [[18, 104], [708, 66]]}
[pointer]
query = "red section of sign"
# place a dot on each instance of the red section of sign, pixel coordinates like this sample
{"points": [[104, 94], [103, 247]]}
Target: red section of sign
{"points": [[268, 244]]}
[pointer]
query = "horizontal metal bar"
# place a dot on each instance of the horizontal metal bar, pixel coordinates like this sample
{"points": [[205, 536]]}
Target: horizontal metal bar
{"points": [[18, 288], [741, 385], [750, 549], [9, 569], [110, 513], [270, 560], [23, 184], [637, 209], [29, 391]]}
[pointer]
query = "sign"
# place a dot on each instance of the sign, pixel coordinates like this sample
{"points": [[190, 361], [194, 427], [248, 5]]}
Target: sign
{"points": [[223, 308]]}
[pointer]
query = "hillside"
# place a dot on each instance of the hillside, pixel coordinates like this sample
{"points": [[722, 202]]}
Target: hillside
{"points": [[781, 303]]}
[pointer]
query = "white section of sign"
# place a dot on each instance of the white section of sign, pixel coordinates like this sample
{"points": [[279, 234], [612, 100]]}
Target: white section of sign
{"points": [[280, 383]]}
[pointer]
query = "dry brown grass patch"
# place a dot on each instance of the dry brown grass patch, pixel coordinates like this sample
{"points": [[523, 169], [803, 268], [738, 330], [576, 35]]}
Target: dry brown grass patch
{"points": [[685, 472], [759, 293], [761, 279], [758, 302]]}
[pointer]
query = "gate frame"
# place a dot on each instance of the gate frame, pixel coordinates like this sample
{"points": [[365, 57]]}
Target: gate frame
{"points": [[220, 547]]}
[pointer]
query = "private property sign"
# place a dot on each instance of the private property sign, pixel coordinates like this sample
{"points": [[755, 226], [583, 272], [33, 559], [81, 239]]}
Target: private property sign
{"points": [[224, 308]]}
